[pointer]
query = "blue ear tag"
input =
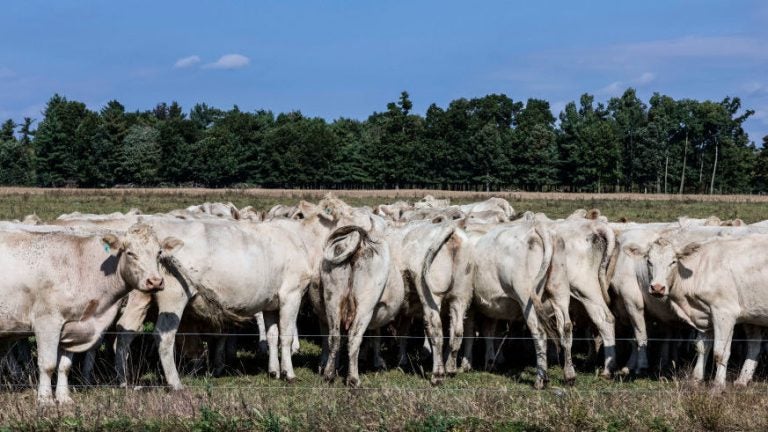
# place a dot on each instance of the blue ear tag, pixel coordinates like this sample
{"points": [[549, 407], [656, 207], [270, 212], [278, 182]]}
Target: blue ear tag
{"points": [[106, 248]]}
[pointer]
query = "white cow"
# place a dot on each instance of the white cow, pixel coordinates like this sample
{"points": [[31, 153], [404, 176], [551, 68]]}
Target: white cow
{"points": [[714, 285], [360, 289], [512, 262], [64, 286]]}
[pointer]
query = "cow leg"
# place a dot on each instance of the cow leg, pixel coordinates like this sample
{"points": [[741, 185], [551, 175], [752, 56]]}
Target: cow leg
{"points": [[489, 337], [324, 344], [639, 358], [289, 312], [62, 378], [468, 342], [47, 336], [356, 333], [263, 346], [457, 310], [270, 322], [603, 319], [565, 331], [128, 325], [754, 336], [378, 360], [403, 325], [89, 363], [540, 345], [723, 326], [703, 347], [295, 346], [170, 309], [219, 355]]}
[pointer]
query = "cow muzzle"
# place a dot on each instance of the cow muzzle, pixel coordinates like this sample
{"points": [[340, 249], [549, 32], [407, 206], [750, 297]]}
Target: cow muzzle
{"points": [[154, 283], [657, 290]]}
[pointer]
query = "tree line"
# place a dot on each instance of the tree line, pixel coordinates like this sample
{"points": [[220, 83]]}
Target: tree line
{"points": [[486, 143]]}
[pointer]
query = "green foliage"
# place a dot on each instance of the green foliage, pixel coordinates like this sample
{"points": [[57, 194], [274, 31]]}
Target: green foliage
{"points": [[486, 143]]}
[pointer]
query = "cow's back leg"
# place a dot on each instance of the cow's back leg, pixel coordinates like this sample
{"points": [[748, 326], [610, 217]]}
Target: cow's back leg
{"points": [[262, 332], [128, 326], [539, 343], [458, 308], [89, 363], [603, 319], [488, 334], [754, 336]]}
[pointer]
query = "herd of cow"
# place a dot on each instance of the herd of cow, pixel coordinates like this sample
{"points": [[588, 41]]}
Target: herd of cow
{"points": [[363, 269]]}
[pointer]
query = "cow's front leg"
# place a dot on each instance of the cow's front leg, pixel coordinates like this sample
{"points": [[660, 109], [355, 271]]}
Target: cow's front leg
{"points": [[62, 376], [289, 312], [272, 332], [723, 329], [47, 335], [128, 326], [703, 346]]}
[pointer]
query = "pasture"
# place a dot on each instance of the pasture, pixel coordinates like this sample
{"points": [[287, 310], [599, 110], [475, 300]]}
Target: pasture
{"points": [[248, 399]]}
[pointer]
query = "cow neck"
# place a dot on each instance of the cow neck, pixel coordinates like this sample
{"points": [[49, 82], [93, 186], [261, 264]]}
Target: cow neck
{"points": [[115, 288]]}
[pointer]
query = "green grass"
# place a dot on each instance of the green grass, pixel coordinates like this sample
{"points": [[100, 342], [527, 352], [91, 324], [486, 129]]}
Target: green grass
{"points": [[49, 204]]}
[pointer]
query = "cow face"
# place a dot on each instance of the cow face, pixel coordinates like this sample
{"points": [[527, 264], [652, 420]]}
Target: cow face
{"points": [[662, 261], [138, 253]]}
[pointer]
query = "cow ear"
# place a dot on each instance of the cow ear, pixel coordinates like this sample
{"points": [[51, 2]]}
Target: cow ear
{"points": [[689, 249], [112, 243], [170, 245], [634, 250]]}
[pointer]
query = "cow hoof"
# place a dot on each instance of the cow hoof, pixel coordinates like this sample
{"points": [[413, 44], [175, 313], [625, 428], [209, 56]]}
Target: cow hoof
{"points": [[353, 382], [274, 374], [606, 376], [740, 383], [451, 373], [624, 371], [287, 378], [540, 383], [46, 402], [329, 377], [717, 390], [64, 400], [437, 379]]}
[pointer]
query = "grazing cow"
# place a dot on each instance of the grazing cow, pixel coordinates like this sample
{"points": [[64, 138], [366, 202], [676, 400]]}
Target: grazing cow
{"points": [[492, 204], [394, 211], [714, 286], [431, 202], [215, 209], [281, 211], [65, 286], [361, 289]]}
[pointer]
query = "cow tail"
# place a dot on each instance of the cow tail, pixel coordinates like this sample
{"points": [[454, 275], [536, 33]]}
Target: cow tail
{"points": [[336, 253], [545, 318], [610, 245], [445, 233]]}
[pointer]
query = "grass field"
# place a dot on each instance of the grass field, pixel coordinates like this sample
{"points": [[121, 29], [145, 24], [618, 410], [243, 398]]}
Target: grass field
{"points": [[392, 400], [15, 203]]}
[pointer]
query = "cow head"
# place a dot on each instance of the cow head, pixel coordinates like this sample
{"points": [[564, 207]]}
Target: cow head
{"points": [[663, 261], [137, 253]]}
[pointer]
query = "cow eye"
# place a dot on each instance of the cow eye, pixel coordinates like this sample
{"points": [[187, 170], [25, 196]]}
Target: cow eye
{"points": [[673, 262], [131, 254]]}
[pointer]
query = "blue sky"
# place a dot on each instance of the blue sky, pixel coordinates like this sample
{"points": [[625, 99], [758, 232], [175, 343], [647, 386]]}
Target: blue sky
{"points": [[344, 58]]}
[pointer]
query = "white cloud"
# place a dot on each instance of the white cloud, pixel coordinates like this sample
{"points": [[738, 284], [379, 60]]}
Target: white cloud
{"points": [[613, 89], [187, 62], [645, 78], [616, 88], [700, 46], [755, 88], [229, 61]]}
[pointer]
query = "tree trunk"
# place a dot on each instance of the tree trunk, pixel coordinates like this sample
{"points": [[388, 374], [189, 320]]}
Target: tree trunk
{"points": [[714, 169], [685, 153], [666, 169]]}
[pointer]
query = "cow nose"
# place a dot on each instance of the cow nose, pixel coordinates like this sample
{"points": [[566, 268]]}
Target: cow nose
{"points": [[154, 283], [657, 289]]}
